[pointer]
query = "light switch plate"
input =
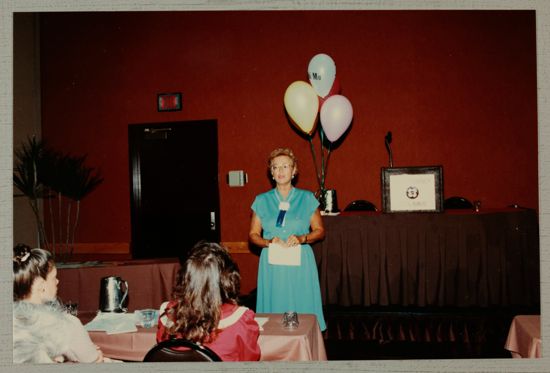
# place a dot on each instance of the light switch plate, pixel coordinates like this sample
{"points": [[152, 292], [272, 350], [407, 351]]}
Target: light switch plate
{"points": [[237, 178]]}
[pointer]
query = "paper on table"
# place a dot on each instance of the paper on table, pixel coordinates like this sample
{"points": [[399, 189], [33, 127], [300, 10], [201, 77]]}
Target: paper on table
{"points": [[113, 323], [261, 321], [282, 255]]}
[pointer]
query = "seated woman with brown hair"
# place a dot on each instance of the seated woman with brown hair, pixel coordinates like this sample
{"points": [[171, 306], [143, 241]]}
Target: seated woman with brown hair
{"points": [[43, 332], [204, 308]]}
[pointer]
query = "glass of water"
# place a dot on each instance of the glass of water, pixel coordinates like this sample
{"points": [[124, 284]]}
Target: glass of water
{"points": [[290, 320], [148, 318]]}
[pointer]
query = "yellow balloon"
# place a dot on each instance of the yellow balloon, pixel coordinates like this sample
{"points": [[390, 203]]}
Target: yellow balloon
{"points": [[302, 105]]}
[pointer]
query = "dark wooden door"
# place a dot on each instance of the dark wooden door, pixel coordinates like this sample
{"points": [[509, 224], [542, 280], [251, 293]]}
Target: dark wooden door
{"points": [[174, 186]]}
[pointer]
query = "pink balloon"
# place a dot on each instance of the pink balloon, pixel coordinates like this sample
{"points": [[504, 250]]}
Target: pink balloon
{"points": [[336, 114]]}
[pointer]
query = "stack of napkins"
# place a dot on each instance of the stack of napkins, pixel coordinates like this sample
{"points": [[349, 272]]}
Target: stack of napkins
{"points": [[261, 321], [283, 255], [113, 323]]}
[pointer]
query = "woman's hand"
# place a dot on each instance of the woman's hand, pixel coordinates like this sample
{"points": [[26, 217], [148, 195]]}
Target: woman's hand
{"points": [[255, 233], [99, 355], [294, 240], [278, 240]]}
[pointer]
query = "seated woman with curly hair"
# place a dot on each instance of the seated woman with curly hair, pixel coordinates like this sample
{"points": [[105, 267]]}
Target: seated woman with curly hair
{"points": [[204, 307]]}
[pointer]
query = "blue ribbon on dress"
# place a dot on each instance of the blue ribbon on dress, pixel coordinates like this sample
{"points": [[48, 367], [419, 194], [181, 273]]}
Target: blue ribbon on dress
{"points": [[281, 219]]}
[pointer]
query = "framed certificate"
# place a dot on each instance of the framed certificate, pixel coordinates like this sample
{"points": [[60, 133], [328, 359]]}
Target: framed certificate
{"points": [[412, 189]]}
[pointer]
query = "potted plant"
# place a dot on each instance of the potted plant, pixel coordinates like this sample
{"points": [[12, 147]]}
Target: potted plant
{"points": [[61, 181]]}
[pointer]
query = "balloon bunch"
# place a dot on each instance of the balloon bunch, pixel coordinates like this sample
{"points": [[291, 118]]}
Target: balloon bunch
{"points": [[305, 102]]}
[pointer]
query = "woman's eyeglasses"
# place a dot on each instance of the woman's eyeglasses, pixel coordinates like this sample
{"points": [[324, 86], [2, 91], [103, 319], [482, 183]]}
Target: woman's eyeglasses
{"points": [[283, 167]]}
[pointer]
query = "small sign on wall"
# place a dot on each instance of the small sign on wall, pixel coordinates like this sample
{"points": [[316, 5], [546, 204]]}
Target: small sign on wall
{"points": [[237, 178], [412, 189], [169, 101]]}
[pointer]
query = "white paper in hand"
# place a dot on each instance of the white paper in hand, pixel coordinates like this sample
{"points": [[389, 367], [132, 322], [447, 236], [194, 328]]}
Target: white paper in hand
{"points": [[282, 255]]}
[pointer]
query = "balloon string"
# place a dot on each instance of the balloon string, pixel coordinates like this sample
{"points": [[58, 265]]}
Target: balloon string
{"points": [[322, 136], [325, 156], [315, 161], [326, 163]]}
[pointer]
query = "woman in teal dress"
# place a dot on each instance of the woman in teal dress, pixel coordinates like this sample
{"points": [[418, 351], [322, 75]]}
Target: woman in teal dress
{"points": [[287, 216]]}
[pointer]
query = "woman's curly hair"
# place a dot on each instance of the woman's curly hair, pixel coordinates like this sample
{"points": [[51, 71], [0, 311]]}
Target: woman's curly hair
{"points": [[282, 151], [207, 279]]}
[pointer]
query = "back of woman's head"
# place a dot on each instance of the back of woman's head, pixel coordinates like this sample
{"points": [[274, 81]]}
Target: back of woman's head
{"points": [[207, 279], [28, 265], [230, 278]]}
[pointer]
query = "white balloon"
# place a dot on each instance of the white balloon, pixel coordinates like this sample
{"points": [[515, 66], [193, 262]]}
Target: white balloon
{"points": [[336, 116], [321, 72]]}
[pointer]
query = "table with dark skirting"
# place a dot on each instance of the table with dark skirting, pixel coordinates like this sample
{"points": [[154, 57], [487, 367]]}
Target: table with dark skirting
{"points": [[456, 258], [381, 273]]}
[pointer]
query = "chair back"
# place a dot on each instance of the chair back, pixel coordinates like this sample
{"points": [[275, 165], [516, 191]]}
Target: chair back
{"points": [[457, 203], [360, 205], [166, 351]]}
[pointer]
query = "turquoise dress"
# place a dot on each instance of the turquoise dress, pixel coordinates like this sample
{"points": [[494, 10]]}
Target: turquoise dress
{"points": [[288, 288]]}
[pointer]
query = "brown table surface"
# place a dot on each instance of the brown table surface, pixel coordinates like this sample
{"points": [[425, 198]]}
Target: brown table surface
{"points": [[458, 258], [276, 343], [150, 282], [524, 337]]}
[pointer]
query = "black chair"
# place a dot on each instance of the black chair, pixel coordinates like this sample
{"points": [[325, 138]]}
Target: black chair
{"points": [[457, 203], [164, 352], [360, 205]]}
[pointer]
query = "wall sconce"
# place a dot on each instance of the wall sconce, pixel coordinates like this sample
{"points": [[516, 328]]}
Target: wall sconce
{"points": [[237, 178], [169, 101]]}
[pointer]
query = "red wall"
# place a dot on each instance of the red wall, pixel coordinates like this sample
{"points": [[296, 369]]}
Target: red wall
{"points": [[456, 88]]}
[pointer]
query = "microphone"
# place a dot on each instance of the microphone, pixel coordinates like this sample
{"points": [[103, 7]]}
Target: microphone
{"points": [[387, 141]]}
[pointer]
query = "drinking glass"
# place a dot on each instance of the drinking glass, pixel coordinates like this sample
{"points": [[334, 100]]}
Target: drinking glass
{"points": [[148, 318], [290, 320]]}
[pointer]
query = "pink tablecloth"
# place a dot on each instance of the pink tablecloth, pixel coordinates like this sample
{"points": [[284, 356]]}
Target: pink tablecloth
{"points": [[524, 337], [150, 282], [302, 344], [276, 343]]}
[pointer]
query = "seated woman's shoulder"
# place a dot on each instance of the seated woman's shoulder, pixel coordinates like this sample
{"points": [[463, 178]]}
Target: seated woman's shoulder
{"points": [[29, 311], [249, 316], [39, 332]]}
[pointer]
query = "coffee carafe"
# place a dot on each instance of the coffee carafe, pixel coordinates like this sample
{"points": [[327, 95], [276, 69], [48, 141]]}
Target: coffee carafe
{"points": [[112, 296]]}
